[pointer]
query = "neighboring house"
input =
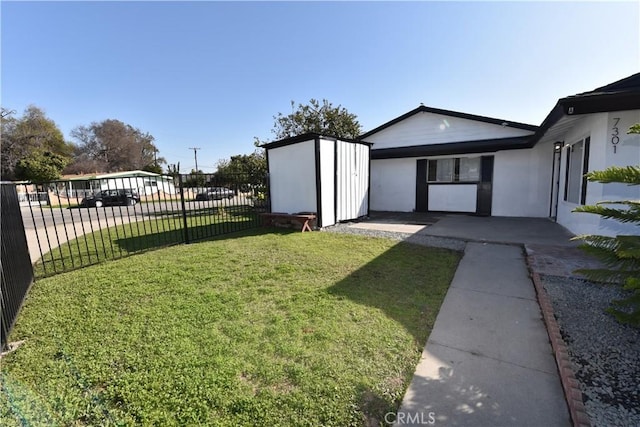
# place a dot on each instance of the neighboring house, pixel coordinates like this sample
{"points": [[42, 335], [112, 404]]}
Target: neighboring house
{"points": [[432, 160], [145, 183]]}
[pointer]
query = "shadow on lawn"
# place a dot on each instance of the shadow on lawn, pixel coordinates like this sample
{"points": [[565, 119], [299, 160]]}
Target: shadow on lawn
{"points": [[388, 283], [200, 233], [408, 284], [108, 244], [407, 291], [206, 211]]}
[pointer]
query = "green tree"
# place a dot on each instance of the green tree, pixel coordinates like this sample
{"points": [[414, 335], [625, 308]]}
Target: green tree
{"points": [[196, 179], [153, 168], [112, 146], [27, 138], [41, 166], [173, 170], [316, 117], [620, 254], [243, 169]]}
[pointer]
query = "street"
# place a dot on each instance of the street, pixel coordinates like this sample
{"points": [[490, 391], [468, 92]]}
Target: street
{"points": [[37, 217]]}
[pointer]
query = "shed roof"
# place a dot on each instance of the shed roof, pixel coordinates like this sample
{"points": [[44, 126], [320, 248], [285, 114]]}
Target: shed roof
{"points": [[309, 136]]}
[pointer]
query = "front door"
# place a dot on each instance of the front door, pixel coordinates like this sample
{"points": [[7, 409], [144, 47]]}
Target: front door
{"points": [[485, 186]]}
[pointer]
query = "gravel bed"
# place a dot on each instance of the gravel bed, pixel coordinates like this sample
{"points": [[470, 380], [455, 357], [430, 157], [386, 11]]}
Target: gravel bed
{"points": [[418, 239], [604, 353]]}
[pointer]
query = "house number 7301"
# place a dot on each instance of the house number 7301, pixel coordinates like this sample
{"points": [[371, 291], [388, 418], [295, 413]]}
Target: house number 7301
{"points": [[614, 133]]}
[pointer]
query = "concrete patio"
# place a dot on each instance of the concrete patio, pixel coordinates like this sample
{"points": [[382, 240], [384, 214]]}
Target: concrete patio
{"points": [[505, 230]]}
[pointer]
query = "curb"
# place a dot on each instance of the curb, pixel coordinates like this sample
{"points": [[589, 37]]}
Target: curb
{"points": [[570, 385]]}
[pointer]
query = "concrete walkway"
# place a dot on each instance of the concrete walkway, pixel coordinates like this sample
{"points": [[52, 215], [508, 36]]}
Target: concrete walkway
{"points": [[488, 361]]}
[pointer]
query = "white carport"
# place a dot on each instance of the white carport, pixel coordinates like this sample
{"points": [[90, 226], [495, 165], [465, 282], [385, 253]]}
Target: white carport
{"points": [[321, 174]]}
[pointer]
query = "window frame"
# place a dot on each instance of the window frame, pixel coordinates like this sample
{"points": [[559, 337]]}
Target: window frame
{"points": [[455, 174], [583, 164]]}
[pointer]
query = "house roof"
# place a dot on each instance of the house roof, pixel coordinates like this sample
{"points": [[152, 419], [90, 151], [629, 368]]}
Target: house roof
{"points": [[620, 95], [310, 136], [450, 148], [124, 174], [631, 83], [425, 109]]}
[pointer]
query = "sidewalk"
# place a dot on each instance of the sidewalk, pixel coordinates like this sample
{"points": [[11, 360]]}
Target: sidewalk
{"points": [[488, 361]]}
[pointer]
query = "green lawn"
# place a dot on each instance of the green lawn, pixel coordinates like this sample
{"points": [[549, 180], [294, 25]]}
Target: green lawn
{"points": [[149, 232], [256, 328]]}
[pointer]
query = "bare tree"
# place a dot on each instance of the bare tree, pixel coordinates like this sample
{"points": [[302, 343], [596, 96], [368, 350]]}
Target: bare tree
{"points": [[111, 146]]}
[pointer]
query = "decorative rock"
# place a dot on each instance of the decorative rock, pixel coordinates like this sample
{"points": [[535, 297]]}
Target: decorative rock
{"points": [[604, 353]]}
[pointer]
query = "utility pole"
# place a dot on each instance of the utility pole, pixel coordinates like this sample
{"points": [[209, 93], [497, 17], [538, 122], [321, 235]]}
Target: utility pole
{"points": [[195, 155]]}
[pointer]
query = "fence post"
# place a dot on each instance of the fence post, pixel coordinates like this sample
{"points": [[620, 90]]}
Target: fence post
{"points": [[184, 211], [267, 192], [15, 266]]}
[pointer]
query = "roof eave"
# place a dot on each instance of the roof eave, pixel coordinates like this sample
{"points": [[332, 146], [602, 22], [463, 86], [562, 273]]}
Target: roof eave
{"points": [[425, 109], [598, 103], [451, 148], [588, 104]]}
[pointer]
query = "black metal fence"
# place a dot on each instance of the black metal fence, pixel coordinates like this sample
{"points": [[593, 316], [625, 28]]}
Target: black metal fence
{"points": [[15, 268], [82, 222]]}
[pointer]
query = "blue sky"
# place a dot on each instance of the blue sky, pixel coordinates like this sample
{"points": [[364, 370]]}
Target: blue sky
{"points": [[213, 74]]}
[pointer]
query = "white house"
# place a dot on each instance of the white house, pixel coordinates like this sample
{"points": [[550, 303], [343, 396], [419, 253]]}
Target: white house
{"points": [[588, 132], [146, 183], [432, 160]]}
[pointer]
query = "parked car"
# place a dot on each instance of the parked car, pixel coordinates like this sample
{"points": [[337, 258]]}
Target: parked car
{"points": [[215, 193], [111, 198]]}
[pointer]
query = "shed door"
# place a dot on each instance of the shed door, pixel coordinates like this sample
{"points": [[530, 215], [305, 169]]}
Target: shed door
{"points": [[352, 180]]}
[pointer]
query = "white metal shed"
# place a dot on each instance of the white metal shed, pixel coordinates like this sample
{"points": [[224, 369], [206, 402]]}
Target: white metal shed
{"points": [[321, 174]]}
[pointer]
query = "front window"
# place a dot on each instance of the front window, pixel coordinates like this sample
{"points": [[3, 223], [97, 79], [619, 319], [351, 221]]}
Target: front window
{"points": [[459, 169], [577, 165]]}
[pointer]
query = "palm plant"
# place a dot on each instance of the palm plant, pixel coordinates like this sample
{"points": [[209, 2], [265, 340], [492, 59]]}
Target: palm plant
{"points": [[620, 254]]}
